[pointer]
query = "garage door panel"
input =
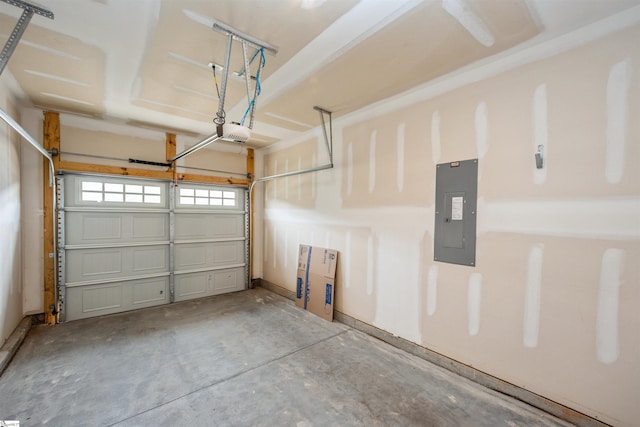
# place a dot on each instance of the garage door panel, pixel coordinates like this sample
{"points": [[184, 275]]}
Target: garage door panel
{"points": [[97, 300], [207, 283], [189, 256], [228, 280], [189, 286], [208, 226], [98, 227], [98, 262], [94, 264], [150, 259], [150, 292], [82, 228], [149, 227], [101, 298]]}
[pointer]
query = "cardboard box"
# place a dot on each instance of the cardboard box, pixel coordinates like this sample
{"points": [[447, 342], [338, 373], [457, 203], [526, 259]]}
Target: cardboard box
{"points": [[315, 287]]}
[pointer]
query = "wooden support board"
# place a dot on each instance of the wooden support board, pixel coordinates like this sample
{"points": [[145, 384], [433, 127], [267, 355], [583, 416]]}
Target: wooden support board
{"points": [[250, 176], [51, 141]]}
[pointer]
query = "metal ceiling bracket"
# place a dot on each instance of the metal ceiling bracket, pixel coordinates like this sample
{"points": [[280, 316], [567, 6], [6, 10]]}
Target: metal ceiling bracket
{"points": [[20, 27], [238, 35], [246, 40], [328, 140]]}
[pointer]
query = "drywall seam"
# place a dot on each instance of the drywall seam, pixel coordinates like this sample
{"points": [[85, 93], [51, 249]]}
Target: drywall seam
{"points": [[540, 133], [532, 297], [481, 125], [602, 218], [286, 180], [474, 300], [285, 249], [400, 156], [274, 194], [347, 262], [617, 115], [435, 136], [607, 346], [314, 176], [372, 161], [299, 178], [613, 218], [432, 290], [349, 169], [370, 265], [274, 235]]}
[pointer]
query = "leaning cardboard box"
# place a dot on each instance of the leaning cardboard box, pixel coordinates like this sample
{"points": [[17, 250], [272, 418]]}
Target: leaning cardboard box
{"points": [[315, 288]]}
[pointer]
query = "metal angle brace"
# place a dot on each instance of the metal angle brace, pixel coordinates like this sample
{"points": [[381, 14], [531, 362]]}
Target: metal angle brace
{"points": [[21, 26], [328, 140]]}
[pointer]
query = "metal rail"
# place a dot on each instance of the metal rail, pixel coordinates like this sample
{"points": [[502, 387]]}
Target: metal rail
{"points": [[9, 120], [208, 140], [21, 26], [224, 28], [328, 139]]}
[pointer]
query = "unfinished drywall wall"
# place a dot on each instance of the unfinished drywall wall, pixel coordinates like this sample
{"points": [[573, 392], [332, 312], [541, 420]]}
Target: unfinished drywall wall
{"points": [[10, 225], [32, 215], [553, 302]]}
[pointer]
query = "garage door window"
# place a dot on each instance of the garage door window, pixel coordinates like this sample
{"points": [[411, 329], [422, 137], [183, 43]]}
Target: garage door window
{"points": [[201, 197], [99, 191]]}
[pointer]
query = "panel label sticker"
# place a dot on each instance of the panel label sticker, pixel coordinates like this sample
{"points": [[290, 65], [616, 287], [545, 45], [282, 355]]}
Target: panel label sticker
{"points": [[456, 208]]}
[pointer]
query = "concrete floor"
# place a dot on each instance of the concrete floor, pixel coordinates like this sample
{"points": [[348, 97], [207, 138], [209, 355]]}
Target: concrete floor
{"points": [[248, 358]]}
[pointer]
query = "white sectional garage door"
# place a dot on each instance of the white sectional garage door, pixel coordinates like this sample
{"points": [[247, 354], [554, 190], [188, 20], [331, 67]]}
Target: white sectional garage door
{"points": [[129, 244], [209, 241]]}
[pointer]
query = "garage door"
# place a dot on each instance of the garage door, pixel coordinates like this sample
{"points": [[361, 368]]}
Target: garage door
{"points": [[209, 241], [128, 244]]}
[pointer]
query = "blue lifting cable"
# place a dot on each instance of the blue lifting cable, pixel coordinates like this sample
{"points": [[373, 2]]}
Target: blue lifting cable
{"points": [[258, 85]]}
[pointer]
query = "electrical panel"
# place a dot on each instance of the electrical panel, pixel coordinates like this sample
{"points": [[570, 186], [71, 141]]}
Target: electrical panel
{"points": [[456, 204]]}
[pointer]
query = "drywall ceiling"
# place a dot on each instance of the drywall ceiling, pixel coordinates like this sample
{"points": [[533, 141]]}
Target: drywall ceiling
{"points": [[145, 62]]}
